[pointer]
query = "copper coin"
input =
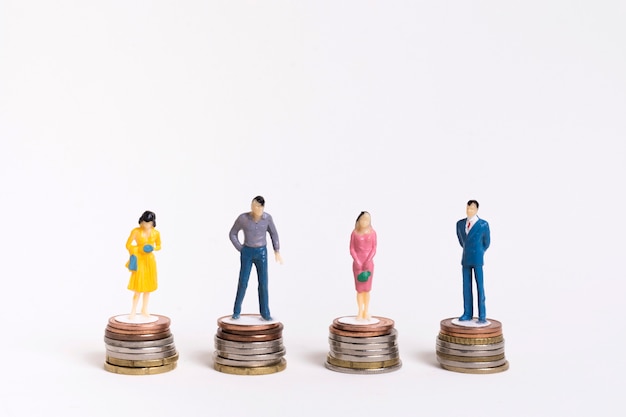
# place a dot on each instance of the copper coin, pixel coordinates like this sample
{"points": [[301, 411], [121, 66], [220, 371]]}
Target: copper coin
{"points": [[493, 327], [470, 340], [346, 333], [247, 322], [243, 331], [163, 323], [470, 335], [138, 330], [136, 337], [249, 338], [384, 324]]}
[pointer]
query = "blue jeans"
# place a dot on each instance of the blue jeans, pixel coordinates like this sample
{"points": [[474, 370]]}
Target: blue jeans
{"points": [[258, 257], [468, 296]]}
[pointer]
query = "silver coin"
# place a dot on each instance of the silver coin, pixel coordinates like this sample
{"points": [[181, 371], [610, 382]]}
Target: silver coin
{"points": [[147, 343], [457, 346], [470, 353], [270, 356], [471, 365], [248, 345], [243, 364], [359, 346], [142, 356], [152, 349], [372, 352], [238, 351], [372, 358], [373, 339], [363, 371]]}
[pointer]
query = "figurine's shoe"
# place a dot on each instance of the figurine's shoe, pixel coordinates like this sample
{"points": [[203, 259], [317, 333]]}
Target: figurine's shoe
{"points": [[482, 320], [464, 318], [235, 316]]}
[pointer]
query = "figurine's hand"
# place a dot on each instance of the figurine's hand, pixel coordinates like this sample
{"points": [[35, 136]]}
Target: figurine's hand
{"points": [[279, 258]]}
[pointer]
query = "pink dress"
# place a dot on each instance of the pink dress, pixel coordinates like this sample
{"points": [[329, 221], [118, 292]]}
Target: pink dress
{"points": [[363, 249]]}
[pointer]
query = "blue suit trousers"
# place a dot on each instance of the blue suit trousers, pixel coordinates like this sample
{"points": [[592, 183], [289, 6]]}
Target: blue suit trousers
{"points": [[468, 296]]}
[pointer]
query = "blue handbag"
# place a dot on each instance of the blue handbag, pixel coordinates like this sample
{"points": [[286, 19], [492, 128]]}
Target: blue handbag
{"points": [[132, 263]]}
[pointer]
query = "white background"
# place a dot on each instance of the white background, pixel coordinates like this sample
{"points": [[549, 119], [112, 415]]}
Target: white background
{"points": [[406, 109]]}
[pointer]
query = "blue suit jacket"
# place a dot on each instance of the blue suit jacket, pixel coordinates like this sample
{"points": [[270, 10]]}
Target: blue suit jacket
{"points": [[475, 243]]}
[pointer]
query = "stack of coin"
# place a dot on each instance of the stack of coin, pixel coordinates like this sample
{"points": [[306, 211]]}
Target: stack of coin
{"points": [[471, 347], [363, 347], [139, 346], [249, 345]]}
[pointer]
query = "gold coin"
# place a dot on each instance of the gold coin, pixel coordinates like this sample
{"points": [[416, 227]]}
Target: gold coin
{"points": [[142, 364], [470, 358], [494, 370], [242, 370], [362, 365], [471, 340], [150, 370]]}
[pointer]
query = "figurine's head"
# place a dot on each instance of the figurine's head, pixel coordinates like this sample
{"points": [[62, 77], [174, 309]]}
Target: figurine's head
{"points": [[472, 208], [257, 206], [363, 221], [148, 217]]}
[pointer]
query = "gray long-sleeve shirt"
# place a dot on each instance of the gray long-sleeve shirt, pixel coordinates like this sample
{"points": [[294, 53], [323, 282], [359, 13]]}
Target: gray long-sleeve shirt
{"points": [[254, 233]]}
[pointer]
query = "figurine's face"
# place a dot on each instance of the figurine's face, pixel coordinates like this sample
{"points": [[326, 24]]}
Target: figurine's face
{"points": [[471, 210], [364, 222], [256, 209], [146, 225]]}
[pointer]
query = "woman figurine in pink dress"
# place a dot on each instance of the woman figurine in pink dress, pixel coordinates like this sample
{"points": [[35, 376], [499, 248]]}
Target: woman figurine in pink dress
{"points": [[363, 249]]}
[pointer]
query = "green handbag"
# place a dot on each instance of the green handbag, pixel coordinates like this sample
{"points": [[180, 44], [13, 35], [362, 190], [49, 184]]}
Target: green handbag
{"points": [[363, 276]]}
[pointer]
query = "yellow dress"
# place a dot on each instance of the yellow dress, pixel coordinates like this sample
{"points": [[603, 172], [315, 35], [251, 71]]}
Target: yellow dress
{"points": [[144, 279]]}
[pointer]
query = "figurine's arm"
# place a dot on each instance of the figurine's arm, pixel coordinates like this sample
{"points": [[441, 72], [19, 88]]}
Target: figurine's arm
{"points": [[132, 249], [486, 237], [234, 234], [460, 234], [271, 228], [157, 241], [373, 251]]}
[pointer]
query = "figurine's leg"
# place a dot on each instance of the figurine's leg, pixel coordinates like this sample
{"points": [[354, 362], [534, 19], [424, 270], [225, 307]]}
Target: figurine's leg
{"points": [[144, 306], [261, 269], [366, 305], [480, 289], [361, 304], [134, 309], [468, 296], [244, 276]]}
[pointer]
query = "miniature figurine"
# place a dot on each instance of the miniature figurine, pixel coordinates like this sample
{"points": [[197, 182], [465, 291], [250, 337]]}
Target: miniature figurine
{"points": [[255, 225], [363, 249], [142, 264], [474, 238]]}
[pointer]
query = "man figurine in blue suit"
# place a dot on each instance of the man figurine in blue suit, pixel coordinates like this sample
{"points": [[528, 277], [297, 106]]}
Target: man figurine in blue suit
{"points": [[473, 234]]}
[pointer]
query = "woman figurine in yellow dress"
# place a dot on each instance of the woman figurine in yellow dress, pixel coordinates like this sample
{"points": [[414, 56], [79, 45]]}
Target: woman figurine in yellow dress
{"points": [[141, 243]]}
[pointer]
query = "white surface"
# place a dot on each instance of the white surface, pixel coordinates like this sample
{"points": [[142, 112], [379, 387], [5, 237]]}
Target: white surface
{"points": [[355, 321], [471, 323], [406, 109], [249, 320], [125, 318]]}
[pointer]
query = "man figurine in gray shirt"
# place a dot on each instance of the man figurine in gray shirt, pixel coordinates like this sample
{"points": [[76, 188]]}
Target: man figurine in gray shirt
{"points": [[255, 225]]}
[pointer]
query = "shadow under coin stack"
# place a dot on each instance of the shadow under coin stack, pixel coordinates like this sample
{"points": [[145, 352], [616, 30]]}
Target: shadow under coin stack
{"points": [[141, 346], [363, 347], [249, 345], [471, 347]]}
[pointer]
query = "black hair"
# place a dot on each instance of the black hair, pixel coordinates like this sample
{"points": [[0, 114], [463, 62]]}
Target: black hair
{"points": [[360, 215], [148, 216], [469, 203], [259, 199]]}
